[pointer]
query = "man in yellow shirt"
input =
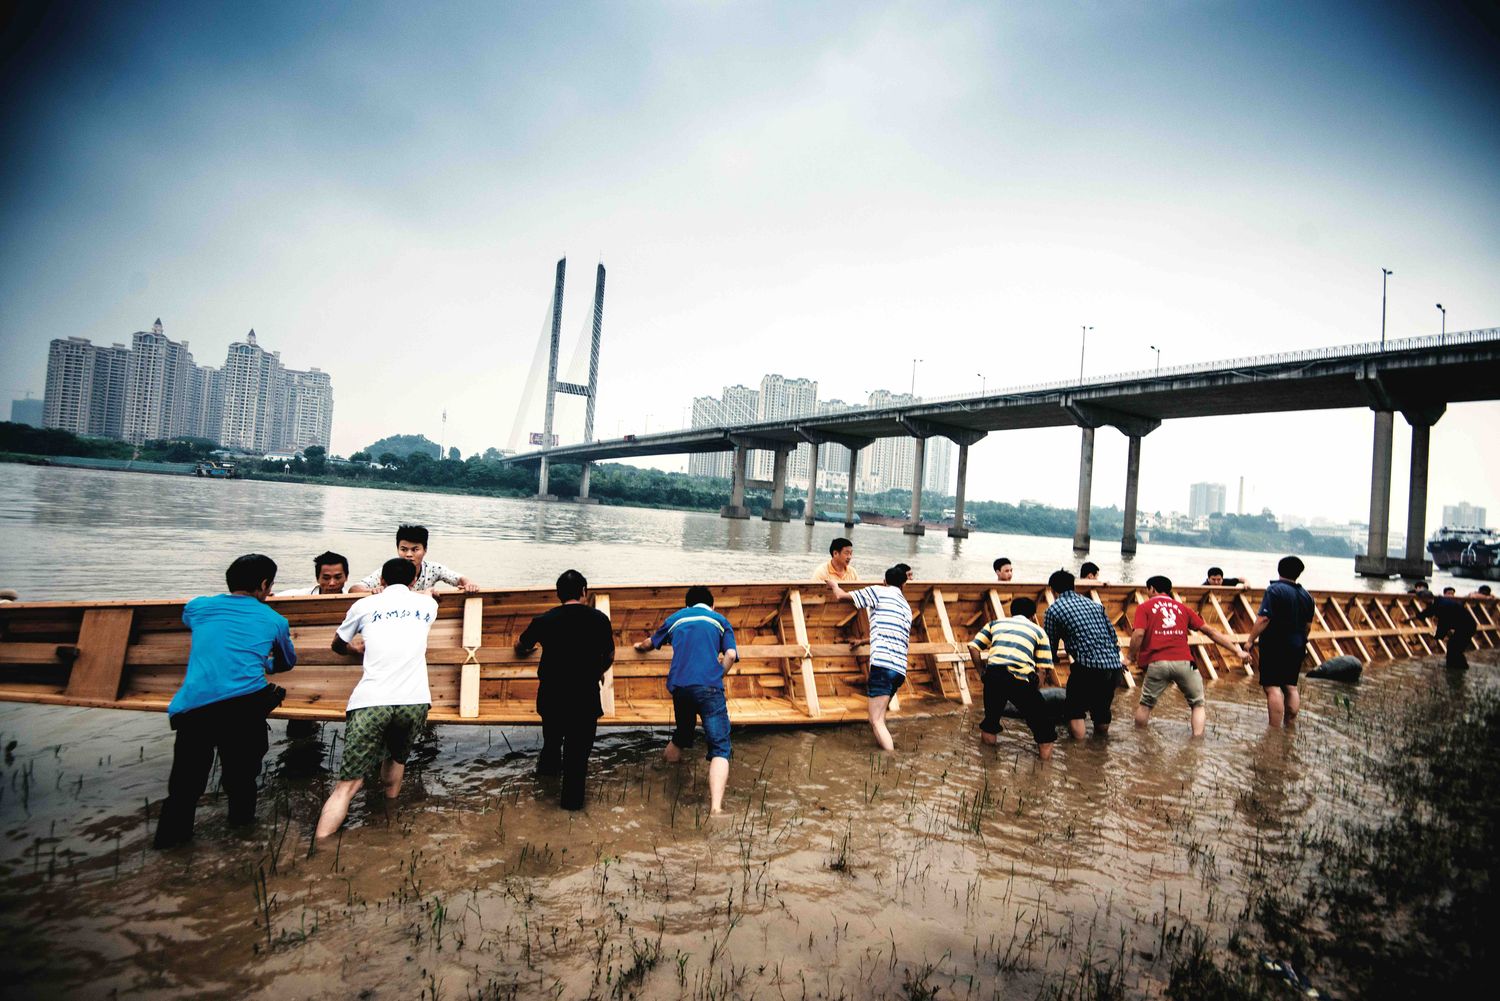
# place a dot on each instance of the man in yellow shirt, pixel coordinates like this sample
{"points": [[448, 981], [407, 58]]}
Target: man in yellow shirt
{"points": [[838, 568]]}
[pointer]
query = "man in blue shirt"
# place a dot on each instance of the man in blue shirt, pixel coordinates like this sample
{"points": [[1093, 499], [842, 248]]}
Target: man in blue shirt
{"points": [[703, 651], [1285, 614], [1094, 667], [224, 699]]}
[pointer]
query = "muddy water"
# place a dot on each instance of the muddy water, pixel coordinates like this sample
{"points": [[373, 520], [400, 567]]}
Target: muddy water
{"points": [[839, 872]]}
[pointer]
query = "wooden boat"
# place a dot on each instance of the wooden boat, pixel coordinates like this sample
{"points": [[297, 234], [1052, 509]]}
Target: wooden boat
{"points": [[804, 656]]}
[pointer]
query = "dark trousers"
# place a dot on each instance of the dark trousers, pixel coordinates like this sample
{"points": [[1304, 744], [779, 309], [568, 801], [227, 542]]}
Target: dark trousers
{"points": [[239, 739], [1458, 642], [566, 744], [1000, 687]]}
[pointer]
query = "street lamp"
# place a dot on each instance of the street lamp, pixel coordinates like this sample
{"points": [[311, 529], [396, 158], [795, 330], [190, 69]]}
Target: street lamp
{"points": [[981, 382], [914, 363], [1153, 347], [1445, 318], [1082, 345], [1384, 274]]}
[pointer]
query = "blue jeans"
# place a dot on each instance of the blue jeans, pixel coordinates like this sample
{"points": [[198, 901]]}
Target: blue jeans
{"points": [[884, 681], [707, 702]]}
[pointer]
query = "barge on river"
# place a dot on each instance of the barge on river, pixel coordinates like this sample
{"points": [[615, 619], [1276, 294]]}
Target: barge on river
{"points": [[804, 656]]}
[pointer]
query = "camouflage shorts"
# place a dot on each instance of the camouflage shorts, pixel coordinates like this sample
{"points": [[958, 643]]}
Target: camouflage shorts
{"points": [[378, 732]]}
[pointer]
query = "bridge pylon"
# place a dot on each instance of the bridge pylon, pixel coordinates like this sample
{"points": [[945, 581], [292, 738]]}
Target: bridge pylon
{"points": [[590, 392]]}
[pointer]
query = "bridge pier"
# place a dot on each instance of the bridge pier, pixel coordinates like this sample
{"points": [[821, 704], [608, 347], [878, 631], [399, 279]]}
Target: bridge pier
{"points": [[1376, 560], [1085, 491], [736, 506], [958, 530], [777, 510], [810, 509], [1132, 488], [583, 484], [918, 467], [849, 496]]}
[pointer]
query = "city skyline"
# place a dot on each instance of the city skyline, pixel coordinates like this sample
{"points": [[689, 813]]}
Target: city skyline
{"points": [[153, 390], [971, 186]]}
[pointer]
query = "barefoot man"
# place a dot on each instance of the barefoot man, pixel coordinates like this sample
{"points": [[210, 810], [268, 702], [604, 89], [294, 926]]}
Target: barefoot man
{"points": [[703, 651], [890, 633], [388, 708]]}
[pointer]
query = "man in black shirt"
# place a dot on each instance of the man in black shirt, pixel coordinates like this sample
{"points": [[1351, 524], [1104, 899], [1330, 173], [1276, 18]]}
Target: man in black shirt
{"points": [[1452, 616], [1286, 614], [578, 647]]}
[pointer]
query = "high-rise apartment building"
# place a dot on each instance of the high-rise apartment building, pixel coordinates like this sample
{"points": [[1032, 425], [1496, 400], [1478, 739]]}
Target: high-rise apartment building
{"points": [[781, 398], [309, 409], [158, 378], [70, 385], [1463, 515], [107, 408], [888, 463], [1205, 499], [250, 379], [706, 414]]}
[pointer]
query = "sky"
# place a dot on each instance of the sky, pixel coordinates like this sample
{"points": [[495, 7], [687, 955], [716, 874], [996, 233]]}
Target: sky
{"points": [[382, 190]]}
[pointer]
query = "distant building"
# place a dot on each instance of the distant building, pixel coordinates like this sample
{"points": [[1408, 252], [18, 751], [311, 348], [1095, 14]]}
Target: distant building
{"points": [[706, 414], [152, 389], [1205, 499], [888, 463], [27, 411], [736, 405], [779, 399], [1463, 515]]}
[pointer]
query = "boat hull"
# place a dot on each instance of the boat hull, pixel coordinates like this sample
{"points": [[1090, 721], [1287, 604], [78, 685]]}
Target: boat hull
{"points": [[804, 656]]}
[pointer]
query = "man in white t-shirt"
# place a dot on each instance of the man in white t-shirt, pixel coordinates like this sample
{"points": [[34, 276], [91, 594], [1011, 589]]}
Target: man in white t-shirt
{"points": [[890, 635], [389, 705]]}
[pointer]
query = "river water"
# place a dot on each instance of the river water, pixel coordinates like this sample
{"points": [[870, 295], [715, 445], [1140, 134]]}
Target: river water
{"points": [[840, 872]]}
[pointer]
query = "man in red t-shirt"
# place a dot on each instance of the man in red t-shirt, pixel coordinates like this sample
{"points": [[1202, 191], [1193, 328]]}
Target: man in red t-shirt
{"points": [[1159, 645]]}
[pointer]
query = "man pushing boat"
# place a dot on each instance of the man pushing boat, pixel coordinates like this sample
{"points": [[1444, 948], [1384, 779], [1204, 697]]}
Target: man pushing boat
{"points": [[890, 638], [703, 651]]}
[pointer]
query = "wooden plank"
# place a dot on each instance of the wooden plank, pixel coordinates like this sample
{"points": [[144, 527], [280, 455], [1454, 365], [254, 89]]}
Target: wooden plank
{"points": [[960, 665], [468, 682], [1386, 615], [607, 685], [1352, 633], [37, 653], [1421, 638], [1373, 630], [811, 704], [103, 638], [997, 607]]}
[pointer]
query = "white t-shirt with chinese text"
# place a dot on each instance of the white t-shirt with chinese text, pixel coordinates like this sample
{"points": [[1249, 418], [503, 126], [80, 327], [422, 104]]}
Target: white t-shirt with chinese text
{"points": [[395, 624]]}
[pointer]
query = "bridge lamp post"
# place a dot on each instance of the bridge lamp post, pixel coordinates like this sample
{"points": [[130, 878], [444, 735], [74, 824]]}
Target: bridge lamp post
{"points": [[914, 363], [982, 382], [1445, 318], [1384, 274], [1082, 346], [1153, 347]]}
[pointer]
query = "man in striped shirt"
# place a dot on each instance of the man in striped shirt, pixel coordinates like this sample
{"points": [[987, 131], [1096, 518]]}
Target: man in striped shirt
{"points": [[1008, 652], [1094, 667], [890, 634]]}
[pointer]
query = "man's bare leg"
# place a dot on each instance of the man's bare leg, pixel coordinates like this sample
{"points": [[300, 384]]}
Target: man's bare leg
{"points": [[718, 778], [1275, 706], [672, 753], [877, 722], [1200, 716], [391, 775], [1293, 703], [989, 738], [1044, 751], [1142, 714], [1076, 728], [337, 807]]}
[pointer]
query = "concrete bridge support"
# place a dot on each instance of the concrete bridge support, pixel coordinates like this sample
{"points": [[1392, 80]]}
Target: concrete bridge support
{"points": [[958, 530], [810, 509], [1085, 491], [1132, 488], [583, 484], [1416, 563], [777, 510], [849, 496], [1377, 546], [736, 507], [918, 468]]}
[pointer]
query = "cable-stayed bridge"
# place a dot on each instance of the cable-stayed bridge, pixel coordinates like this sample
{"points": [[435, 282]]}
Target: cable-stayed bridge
{"points": [[1416, 377]]}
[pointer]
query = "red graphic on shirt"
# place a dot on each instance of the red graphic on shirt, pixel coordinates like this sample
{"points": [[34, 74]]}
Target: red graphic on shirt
{"points": [[1166, 621]]}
